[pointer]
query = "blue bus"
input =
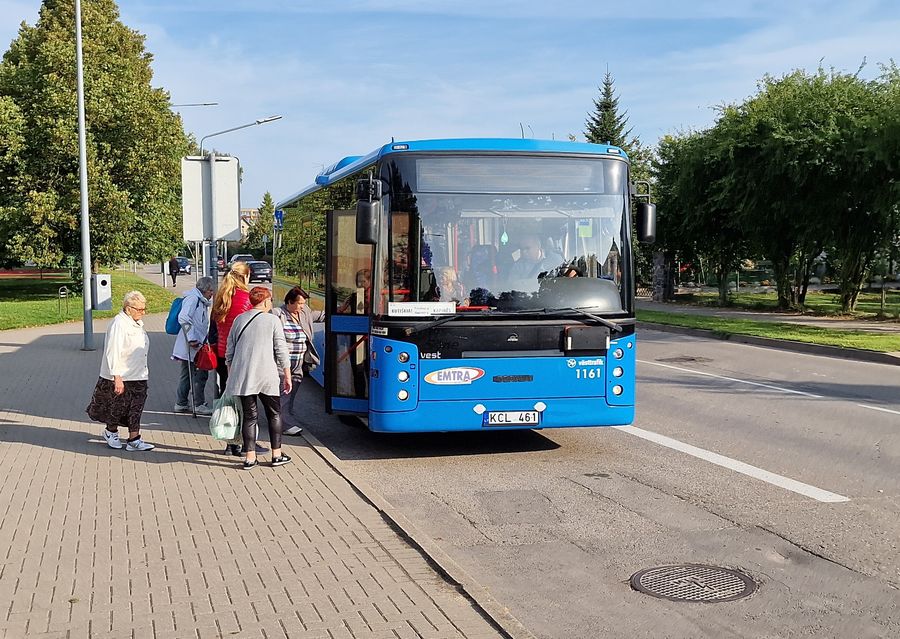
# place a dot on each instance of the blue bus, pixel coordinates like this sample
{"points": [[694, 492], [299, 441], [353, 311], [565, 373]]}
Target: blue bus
{"points": [[471, 284]]}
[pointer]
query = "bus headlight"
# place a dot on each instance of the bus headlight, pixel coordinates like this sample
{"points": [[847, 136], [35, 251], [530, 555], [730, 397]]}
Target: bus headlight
{"points": [[402, 395], [618, 353], [618, 372], [617, 390], [402, 376], [403, 357]]}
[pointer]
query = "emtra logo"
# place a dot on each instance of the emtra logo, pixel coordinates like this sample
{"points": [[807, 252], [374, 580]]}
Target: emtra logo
{"points": [[457, 375]]}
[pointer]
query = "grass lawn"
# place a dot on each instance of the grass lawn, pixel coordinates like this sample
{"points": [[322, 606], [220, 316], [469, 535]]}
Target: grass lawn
{"points": [[798, 333], [34, 302], [818, 303]]}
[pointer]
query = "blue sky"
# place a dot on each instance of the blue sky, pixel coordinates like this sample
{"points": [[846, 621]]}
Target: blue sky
{"points": [[349, 75]]}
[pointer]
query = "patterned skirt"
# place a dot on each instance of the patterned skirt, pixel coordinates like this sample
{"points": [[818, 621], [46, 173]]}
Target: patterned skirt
{"points": [[118, 410]]}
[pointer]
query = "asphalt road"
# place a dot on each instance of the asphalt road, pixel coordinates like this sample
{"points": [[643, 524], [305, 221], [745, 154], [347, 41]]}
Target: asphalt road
{"points": [[779, 464]]}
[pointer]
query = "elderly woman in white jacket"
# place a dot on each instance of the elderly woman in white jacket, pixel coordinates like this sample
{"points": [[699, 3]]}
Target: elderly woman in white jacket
{"points": [[194, 322], [121, 391]]}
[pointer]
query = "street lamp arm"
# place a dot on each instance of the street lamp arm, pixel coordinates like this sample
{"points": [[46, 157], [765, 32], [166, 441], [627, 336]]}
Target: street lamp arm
{"points": [[271, 118]]}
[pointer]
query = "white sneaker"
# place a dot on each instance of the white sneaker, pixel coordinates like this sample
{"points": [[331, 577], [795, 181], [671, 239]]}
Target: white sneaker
{"points": [[112, 439], [139, 444], [182, 408], [203, 409]]}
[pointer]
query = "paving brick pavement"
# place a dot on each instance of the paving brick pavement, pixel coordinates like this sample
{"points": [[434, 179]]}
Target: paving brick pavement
{"points": [[179, 542]]}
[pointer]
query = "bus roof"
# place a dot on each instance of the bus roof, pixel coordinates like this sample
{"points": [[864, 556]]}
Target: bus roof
{"points": [[351, 164]]}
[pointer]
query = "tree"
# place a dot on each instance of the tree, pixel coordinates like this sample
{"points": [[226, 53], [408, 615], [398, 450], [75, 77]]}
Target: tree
{"points": [[12, 126], [263, 225], [134, 142], [697, 221], [608, 125]]}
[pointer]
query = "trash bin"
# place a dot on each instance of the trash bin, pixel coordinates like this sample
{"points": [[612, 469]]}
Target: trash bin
{"points": [[101, 292]]}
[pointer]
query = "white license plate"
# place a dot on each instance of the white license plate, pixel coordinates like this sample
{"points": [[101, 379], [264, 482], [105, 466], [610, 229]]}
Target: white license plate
{"points": [[513, 418]]}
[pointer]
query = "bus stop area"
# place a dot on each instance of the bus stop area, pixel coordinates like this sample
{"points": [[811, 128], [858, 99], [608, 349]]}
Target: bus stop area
{"points": [[180, 541]]}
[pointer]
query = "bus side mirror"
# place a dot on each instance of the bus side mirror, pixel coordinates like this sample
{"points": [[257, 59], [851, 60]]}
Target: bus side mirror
{"points": [[367, 215], [368, 210], [645, 218]]}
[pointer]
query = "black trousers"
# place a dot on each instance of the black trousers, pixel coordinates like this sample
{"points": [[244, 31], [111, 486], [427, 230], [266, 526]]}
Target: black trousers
{"points": [[271, 404], [222, 374]]}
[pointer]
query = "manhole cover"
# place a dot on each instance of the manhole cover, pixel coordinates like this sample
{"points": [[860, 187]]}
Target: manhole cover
{"points": [[690, 582]]}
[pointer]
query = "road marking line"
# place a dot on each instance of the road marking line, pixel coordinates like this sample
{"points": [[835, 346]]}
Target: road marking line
{"points": [[732, 379], [883, 410], [732, 464]]}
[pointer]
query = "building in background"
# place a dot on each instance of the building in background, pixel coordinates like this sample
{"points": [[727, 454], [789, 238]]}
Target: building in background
{"points": [[248, 217]]}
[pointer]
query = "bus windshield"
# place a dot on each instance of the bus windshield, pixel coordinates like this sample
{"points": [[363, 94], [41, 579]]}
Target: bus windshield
{"points": [[504, 233]]}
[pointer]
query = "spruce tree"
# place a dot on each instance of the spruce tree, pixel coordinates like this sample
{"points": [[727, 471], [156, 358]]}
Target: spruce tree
{"points": [[134, 142], [606, 125], [264, 224]]}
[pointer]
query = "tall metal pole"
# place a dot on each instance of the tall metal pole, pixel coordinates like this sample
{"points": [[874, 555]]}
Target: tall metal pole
{"points": [[82, 164], [209, 243]]}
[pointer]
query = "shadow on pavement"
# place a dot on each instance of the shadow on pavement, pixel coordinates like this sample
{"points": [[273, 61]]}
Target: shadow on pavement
{"points": [[90, 443], [358, 443]]}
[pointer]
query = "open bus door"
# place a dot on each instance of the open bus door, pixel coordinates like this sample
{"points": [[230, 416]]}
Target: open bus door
{"points": [[348, 303]]}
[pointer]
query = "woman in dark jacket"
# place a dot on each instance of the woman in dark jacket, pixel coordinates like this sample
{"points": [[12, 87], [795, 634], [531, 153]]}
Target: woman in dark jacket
{"points": [[297, 320]]}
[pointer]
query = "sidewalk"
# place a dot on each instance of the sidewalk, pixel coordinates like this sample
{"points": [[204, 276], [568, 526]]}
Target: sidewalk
{"points": [[180, 542]]}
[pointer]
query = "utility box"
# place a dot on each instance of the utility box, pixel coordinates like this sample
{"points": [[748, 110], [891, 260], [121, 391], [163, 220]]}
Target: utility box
{"points": [[101, 292]]}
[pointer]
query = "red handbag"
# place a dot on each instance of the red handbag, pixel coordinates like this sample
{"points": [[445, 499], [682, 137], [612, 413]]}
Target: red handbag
{"points": [[206, 359]]}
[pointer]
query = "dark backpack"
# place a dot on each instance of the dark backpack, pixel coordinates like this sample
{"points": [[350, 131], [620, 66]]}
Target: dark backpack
{"points": [[172, 325]]}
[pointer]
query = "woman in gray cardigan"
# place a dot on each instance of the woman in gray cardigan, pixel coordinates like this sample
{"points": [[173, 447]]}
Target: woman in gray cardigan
{"points": [[255, 353]]}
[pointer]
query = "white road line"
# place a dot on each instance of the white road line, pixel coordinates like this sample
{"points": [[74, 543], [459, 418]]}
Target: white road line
{"points": [[883, 410], [732, 464], [732, 379]]}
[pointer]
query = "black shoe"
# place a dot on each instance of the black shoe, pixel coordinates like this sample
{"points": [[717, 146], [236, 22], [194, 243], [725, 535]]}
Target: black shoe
{"points": [[233, 449], [281, 460], [250, 464]]}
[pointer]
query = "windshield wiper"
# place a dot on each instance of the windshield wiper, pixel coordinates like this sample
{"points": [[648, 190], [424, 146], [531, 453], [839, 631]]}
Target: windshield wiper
{"points": [[412, 330], [579, 311]]}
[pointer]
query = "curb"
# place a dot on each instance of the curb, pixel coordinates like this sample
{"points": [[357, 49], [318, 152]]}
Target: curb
{"points": [[782, 344], [491, 609]]}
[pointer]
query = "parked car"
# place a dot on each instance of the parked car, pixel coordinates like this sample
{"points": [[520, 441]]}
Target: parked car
{"points": [[260, 271], [184, 265], [241, 257]]}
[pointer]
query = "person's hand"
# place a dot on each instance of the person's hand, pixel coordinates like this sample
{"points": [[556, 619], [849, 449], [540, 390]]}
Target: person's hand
{"points": [[194, 343], [288, 383], [118, 385]]}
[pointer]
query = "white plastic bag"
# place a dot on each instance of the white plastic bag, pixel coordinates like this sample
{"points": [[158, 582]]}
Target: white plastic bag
{"points": [[225, 422]]}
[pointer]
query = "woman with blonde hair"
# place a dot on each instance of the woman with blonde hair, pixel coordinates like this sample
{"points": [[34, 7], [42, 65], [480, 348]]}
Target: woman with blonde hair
{"points": [[232, 299]]}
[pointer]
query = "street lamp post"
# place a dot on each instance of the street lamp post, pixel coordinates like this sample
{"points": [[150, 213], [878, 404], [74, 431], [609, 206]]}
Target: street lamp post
{"points": [[271, 118], [211, 253], [82, 171]]}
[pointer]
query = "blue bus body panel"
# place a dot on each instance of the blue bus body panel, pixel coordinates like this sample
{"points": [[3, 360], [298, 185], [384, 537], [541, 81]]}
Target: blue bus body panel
{"points": [[352, 164], [460, 415], [458, 394]]}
